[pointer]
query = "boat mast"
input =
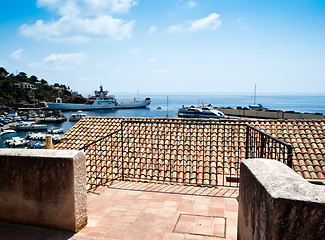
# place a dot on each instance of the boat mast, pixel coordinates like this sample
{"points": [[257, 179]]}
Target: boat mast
{"points": [[255, 95], [167, 107], [34, 97]]}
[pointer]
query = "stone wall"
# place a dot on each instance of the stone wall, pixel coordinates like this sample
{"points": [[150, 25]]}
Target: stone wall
{"points": [[273, 114], [43, 188], [276, 203]]}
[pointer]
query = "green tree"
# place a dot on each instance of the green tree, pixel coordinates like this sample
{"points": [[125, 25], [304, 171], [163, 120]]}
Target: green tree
{"points": [[3, 72], [33, 79], [21, 76], [43, 81], [7, 86]]}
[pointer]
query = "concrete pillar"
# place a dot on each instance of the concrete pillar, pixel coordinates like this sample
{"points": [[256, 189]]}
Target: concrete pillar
{"points": [[44, 188], [276, 203], [49, 142]]}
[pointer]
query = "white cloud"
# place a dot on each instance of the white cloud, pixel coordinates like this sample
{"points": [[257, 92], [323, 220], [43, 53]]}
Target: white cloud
{"points": [[101, 65], [90, 79], [60, 61], [161, 71], [175, 28], [87, 7], [178, 59], [152, 30], [18, 54], [65, 58], [82, 21], [79, 30], [201, 69], [136, 50], [241, 23], [191, 4], [210, 22], [152, 60]]}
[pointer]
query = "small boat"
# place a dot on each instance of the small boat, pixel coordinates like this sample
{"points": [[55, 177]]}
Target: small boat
{"points": [[36, 145], [200, 112], [56, 138], [55, 130], [75, 117], [101, 100], [16, 142], [3, 132], [31, 126], [254, 105], [36, 136]]}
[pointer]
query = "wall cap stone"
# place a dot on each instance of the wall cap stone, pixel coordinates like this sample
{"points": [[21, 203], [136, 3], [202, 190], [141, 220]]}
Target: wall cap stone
{"points": [[48, 153], [280, 181]]}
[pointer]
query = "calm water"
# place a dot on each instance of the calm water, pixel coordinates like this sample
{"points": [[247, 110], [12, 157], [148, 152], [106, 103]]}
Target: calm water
{"points": [[302, 103]]}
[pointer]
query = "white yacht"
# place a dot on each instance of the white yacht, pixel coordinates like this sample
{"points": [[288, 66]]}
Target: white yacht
{"points": [[200, 112]]}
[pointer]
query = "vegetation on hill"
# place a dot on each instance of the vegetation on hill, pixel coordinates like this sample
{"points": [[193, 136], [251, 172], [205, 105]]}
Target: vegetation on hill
{"points": [[18, 90]]}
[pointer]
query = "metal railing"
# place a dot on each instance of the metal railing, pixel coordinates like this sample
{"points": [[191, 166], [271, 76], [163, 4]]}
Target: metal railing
{"points": [[181, 151], [262, 145], [103, 160], [198, 153]]}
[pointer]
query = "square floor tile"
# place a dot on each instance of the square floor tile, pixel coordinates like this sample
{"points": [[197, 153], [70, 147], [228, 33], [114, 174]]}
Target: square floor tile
{"points": [[201, 225]]}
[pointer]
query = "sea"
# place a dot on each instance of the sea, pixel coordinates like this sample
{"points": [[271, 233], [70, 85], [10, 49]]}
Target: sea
{"points": [[167, 105]]}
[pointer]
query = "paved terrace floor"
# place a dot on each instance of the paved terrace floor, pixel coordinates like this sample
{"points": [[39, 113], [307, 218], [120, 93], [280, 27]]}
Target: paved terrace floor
{"points": [[131, 210]]}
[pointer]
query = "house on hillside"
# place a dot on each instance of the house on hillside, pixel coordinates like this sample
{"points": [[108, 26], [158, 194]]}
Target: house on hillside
{"points": [[25, 85]]}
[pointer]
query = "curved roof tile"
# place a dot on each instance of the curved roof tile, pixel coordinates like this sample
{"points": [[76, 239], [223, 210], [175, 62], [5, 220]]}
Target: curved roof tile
{"points": [[306, 137]]}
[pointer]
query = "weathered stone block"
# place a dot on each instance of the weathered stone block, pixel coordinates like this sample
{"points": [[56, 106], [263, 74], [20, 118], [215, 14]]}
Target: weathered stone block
{"points": [[43, 188], [276, 203]]}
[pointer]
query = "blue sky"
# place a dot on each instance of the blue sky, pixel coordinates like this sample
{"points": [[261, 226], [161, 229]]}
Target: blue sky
{"points": [[212, 46]]}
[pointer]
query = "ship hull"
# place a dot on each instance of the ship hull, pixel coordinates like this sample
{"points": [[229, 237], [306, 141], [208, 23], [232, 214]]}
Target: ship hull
{"points": [[122, 105], [197, 116]]}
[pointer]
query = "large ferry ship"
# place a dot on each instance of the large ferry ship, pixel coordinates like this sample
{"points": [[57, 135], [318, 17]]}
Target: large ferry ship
{"points": [[101, 100]]}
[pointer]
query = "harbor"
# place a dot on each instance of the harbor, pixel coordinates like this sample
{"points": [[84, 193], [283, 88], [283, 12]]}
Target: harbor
{"points": [[159, 108]]}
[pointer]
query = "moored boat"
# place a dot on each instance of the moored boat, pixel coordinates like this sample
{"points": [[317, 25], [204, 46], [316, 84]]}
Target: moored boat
{"points": [[255, 105], [101, 100], [36, 136], [200, 112], [16, 142], [30, 126], [36, 145], [75, 117], [55, 130], [7, 131]]}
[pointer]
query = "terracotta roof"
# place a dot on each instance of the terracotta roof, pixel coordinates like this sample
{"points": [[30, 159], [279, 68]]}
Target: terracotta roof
{"points": [[305, 136]]}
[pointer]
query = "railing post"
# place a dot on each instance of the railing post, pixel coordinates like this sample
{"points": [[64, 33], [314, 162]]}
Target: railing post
{"points": [[289, 161], [262, 145], [247, 142], [122, 150]]}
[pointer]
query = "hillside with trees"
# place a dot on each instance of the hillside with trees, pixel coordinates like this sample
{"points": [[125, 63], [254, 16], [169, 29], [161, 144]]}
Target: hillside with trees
{"points": [[20, 90]]}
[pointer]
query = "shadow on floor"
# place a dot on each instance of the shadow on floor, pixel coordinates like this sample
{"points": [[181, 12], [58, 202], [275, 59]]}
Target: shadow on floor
{"points": [[12, 231]]}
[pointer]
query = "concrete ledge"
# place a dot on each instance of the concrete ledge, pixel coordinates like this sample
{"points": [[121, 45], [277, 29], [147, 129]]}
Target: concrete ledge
{"points": [[276, 203], [44, 188]]}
